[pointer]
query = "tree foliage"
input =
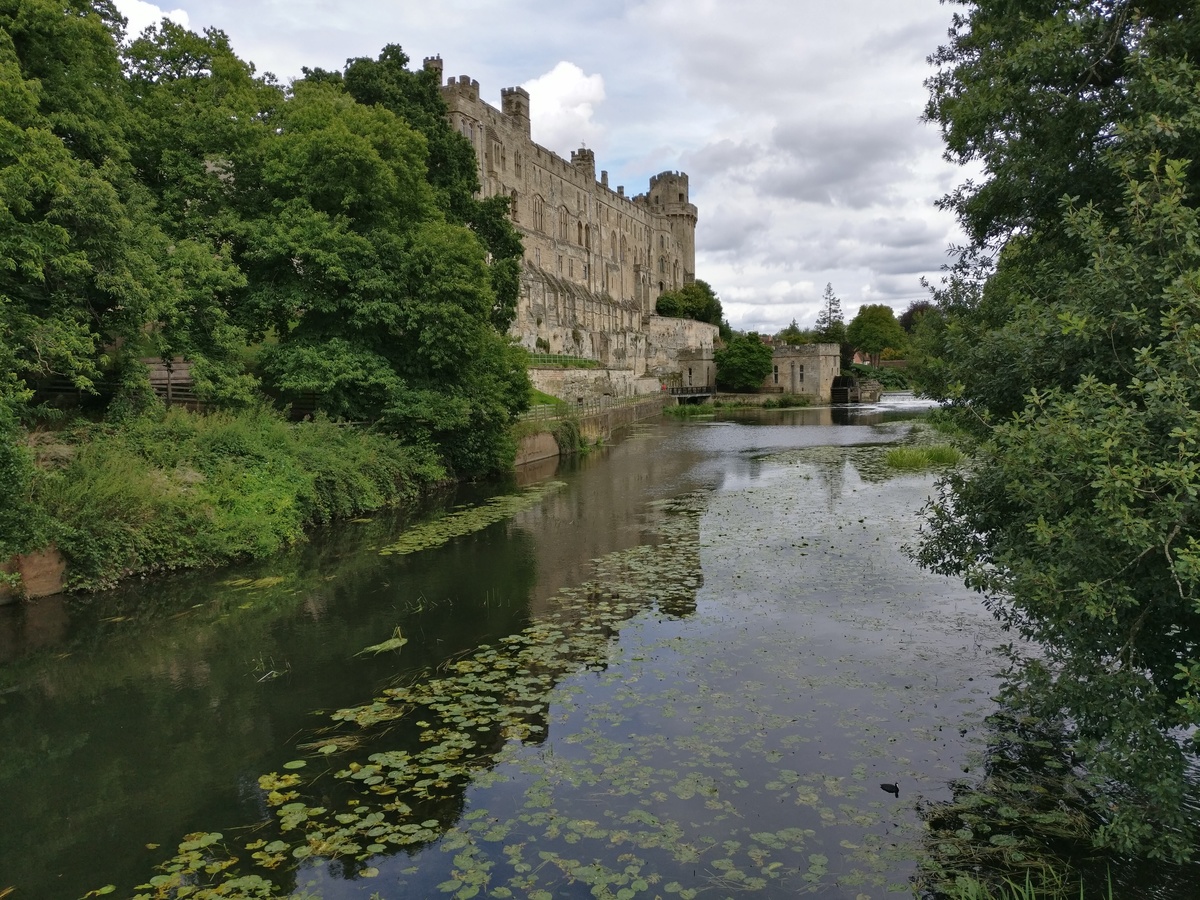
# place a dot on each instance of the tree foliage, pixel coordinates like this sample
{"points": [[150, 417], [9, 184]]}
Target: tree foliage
{"points": [[1067, 338], [696, 300], [743, 363], [158, 198], [910, 317], [875, 329], [452, 173], [831, 322], [794, 335]]}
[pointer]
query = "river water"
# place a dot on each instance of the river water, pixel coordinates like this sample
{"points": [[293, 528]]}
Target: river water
{"points": [[683, 665]]}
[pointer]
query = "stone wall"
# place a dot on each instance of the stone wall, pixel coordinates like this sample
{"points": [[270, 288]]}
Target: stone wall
{"points": [[808, 369], [679, 352], [41, 575], [595, 259]]}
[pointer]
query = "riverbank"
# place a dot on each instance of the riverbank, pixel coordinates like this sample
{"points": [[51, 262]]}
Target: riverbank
{"points": [[186, 490], [189, 490]]}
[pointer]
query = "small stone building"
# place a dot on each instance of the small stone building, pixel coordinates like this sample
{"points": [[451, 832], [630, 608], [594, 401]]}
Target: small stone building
{"points": [[807, 369]]}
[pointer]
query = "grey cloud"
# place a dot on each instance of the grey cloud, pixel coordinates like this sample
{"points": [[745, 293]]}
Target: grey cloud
{"points": [[851, 164]]}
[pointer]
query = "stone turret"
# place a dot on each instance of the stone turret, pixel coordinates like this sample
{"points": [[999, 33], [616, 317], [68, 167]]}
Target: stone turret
{"points": [[584, 160], [434, 64], [669, 197], [514, 103]]}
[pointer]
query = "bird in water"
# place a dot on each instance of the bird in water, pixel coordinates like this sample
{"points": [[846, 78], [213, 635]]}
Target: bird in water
{"points": [[893, 789]]}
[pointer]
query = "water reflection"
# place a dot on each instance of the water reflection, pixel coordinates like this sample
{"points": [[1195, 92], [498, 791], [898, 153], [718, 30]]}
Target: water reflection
{"points": [[140, 716]]}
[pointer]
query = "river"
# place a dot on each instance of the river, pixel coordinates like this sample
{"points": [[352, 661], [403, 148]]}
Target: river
{"points": [[682, 665]]}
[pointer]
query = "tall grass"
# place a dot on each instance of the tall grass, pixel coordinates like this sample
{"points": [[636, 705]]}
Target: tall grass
{"points": [[182, 489], [923, 457], [1052, 886]]}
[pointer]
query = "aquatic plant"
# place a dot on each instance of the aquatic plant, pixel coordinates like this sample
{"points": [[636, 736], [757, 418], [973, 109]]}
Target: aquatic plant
{"points": [[468, 519], [916, 458]]}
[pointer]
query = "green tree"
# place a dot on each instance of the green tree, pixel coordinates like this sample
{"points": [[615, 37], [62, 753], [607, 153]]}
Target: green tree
{"points": [[910, 317], [196, 113], [874, 330], [696, 300], [83, 272], [381, 307], [831, 323], [1066, 337], [744, 363], [793, 335], [451, 164]]}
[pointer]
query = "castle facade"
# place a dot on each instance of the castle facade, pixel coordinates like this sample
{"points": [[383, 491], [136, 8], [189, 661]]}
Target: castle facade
{"points": [[596, 260]]}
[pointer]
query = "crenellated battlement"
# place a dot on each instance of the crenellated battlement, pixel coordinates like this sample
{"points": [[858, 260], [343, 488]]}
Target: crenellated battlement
{"points": [[596, 260], [514, 103]]}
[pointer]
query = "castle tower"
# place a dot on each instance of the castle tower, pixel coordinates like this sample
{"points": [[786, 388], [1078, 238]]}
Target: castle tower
{"points": [[433, 64], [514, 103], [584, 160], [669, 198]]}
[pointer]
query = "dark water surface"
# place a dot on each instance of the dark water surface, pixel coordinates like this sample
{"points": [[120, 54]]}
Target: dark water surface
{"points": [[711, 650]]}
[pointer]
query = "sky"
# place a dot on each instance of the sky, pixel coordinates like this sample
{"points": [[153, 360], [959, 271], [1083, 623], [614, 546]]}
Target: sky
{"points": [[798, 122]]}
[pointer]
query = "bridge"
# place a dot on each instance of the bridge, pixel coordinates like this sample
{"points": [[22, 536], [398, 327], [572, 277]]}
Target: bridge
{"points": [[692, 394]]}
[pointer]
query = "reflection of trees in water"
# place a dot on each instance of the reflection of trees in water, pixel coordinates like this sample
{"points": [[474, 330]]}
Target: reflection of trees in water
{"points": [[1030, 812], [409, 755], [155, 695]]}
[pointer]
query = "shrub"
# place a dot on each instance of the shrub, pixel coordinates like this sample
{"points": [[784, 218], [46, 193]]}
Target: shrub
{"points": [[183, 490]]}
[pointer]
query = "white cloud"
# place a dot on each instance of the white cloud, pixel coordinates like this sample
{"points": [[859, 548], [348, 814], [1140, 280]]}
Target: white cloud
{"points": [[142, 15], [798, 122], [562, 103]]}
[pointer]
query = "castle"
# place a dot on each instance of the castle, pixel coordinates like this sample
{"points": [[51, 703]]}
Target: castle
{"points": [[596, 260]]}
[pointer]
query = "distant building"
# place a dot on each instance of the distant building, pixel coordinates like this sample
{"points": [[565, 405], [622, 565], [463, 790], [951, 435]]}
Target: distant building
{"points": [[807, 369], [596, 260]]}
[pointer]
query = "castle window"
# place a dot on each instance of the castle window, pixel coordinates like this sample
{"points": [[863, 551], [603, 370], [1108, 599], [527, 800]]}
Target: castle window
{"points": [[681, 198], [539, 214], [662, 266], [800, 375], [560, 265], [512, 207], [776, 374], [580, 230], [562, 223], [537, 255], [571, 268]]}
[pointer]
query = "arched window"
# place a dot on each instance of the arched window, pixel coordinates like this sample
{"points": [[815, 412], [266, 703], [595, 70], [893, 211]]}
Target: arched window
{"points": [[562, 223], [512, 206], [662, 266], [613, 243], [579, 234], [539, 214]]}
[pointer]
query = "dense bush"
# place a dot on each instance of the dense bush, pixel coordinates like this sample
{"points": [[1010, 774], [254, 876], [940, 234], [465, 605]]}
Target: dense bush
{"points": [[182, 490]]}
